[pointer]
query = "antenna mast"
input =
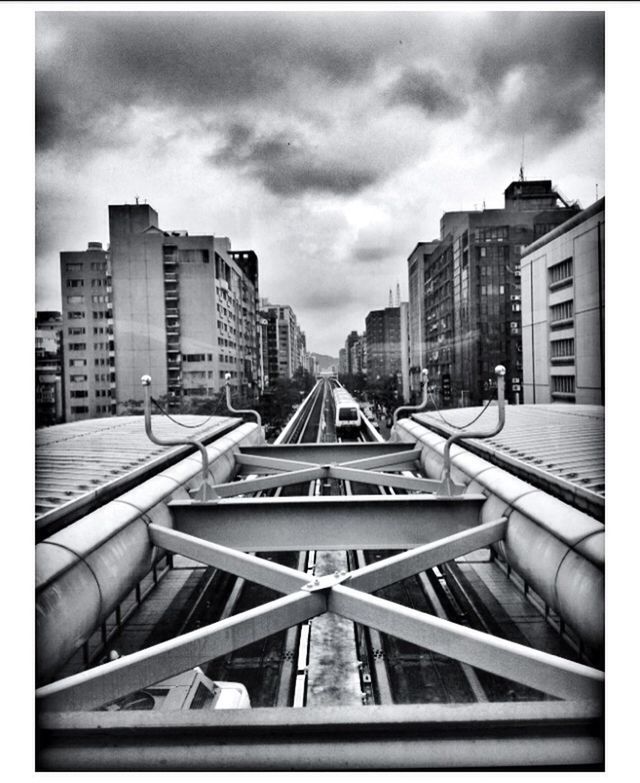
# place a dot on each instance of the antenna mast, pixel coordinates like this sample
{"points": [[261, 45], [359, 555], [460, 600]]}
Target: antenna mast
{"points": [[522, 161]]}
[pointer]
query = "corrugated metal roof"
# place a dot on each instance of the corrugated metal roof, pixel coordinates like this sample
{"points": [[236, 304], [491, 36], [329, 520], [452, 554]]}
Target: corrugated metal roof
{"points": [[559, 447], [82, 459]]}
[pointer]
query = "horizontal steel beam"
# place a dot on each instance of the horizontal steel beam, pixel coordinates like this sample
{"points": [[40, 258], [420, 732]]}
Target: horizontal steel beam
{"points": [[410, 483], [263, 572], [435, 736], [392, 569], [334, 453], [234, 488], [102, 684], [547, 673], [327, 522], [395, 460], [265, 462]]}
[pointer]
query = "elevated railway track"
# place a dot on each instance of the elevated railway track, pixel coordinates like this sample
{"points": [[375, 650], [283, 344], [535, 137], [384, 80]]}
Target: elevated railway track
{"points": [[371, 620]]}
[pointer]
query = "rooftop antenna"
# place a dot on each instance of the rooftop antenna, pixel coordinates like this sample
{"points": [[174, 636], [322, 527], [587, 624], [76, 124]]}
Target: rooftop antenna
{"points": [[137, 200], [596, 191], [522, 161], [390, 298], [397, 294]]}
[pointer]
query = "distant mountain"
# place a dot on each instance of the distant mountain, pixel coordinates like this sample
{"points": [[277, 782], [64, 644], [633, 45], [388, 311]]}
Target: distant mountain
{"points": [[325, 362]]}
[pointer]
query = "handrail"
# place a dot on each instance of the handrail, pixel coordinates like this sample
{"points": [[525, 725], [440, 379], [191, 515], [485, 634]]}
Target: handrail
{"points": [[415, 408], [236, 410], [448, 487], [206, 490]]}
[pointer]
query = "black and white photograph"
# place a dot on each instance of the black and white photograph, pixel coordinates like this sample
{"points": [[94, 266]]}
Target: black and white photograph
{"points": [[319, 402]]}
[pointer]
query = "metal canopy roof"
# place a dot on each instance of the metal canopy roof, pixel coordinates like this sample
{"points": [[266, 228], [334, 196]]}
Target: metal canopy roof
{"points": [[558, 447]]}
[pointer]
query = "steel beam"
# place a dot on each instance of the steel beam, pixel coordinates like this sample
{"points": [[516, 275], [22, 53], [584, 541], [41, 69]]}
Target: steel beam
{"points": [[103, 684], [411, 483], [327, 522], [547, 673], [393, 569], [396, 460], [268, 463], [255, 569], [234, 488], [436, 736], [337, 453]]}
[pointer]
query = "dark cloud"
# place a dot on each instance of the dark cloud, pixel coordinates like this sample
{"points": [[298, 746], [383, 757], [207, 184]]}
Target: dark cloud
{"points": [[371, 254], [287, 166], [427, 91]]}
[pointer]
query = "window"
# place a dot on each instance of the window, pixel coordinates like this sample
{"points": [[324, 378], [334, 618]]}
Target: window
{"points": [[76, 330], [78, 378], [561, 273], [77, 346], [563, 384], [562, 311], [79, 393], [515, 307], [75, 299], [75, 315], [73, 267], [514, 327], [561, 348], [77, 362], [99, 298], [73, 283], [492, 234], [79, 409]]}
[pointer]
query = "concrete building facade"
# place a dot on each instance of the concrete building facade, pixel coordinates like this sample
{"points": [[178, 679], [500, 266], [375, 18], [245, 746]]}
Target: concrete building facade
{"points": [[384, 343], [563, 312], [284, 341], [184, 309], [48, 368], [472, 293], [88, 372]]}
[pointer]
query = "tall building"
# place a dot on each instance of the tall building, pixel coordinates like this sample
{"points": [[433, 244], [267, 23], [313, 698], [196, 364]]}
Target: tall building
{"points": [[563, 312], [88, 375], [285, 342], [472, 293], [183, 308], [352, 339], [48, 367], [342, 361], [384, 343], [417, 265]]}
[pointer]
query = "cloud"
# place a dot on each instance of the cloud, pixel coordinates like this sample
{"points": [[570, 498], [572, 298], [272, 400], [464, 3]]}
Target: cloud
{"points": [[427, 91], [288, 166]]}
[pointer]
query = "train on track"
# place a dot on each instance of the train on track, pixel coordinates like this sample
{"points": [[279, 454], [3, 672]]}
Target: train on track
{"points": [[348, 417]]}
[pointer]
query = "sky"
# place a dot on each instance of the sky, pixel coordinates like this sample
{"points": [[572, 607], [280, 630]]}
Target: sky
{"points": [[328, 142]]}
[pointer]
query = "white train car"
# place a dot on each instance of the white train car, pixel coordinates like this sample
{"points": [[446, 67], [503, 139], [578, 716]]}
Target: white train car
{"points": [[347, 411]]}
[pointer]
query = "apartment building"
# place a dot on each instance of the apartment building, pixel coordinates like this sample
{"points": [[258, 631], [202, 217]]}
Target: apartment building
{"points": [[48, 368], [183, 308], [563, 312], [88, 374], [284, 343], [471, 301]]}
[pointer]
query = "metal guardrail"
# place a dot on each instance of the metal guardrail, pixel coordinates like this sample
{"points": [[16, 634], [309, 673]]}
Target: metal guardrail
{"points": [[236, 410], [415, 408]]}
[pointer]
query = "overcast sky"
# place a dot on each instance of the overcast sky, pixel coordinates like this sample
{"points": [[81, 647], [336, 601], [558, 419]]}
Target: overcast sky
{"points": [[329, 143]]}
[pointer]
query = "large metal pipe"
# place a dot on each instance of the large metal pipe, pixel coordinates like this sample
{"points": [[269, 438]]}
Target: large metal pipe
{"points": [[85, 570], [555, 548]]}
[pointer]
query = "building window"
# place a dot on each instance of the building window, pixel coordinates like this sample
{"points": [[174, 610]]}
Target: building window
{"points": [[562, 311], [75, 315], [492, 234], [77, 346], [561, 273], [79, 409], [73, 267], [194, 357], [77, 362], [78, 378], [563, 384], [76, 330], [73, 283], [562, 348], [79, 393]]}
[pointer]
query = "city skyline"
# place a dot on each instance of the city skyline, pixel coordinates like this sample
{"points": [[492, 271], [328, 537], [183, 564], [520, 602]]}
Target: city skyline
{"points": [[329, 143]]}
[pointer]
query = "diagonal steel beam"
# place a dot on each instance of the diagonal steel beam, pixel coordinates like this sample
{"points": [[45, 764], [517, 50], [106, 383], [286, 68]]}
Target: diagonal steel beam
{"points": [[327, 522], [271, 463], [234, 488], [103, 684], [331, 453], [263, 572], [547, 673], [385, 479], [397, 567], [393, 460]]}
